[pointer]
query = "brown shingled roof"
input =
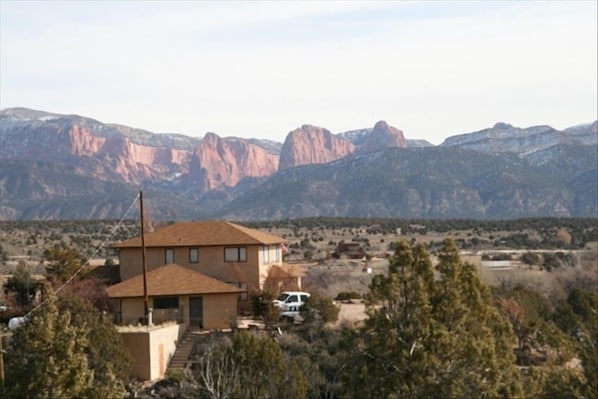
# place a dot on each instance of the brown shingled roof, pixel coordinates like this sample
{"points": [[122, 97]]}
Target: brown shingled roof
{"points": [[170, 279], [202, 233]]}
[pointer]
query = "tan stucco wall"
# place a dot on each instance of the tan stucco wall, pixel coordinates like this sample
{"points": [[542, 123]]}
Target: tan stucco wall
{"points": [[218, 310], [131, 264], [138, 345], [152, 349], [211, 263], [162, 347], [131, 309]]}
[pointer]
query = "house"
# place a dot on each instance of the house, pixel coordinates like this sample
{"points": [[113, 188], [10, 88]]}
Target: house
{"points": [[349, 250], [197, 276], [199, 267], [219, 249], [180, 299]]}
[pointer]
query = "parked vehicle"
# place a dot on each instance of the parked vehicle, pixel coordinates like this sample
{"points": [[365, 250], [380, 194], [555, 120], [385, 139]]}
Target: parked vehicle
{"points": [[290, 303], [291, 300], [15, 322]]}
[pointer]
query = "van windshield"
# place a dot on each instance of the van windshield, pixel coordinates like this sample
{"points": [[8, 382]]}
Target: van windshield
{"points": [[283, 296]]}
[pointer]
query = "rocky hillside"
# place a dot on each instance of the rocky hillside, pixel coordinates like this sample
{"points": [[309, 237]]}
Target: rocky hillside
{"points": [[104, 152], [70, 167], [382, 136], [503, 137], [121, 154], [440, 182], [311, 145]]}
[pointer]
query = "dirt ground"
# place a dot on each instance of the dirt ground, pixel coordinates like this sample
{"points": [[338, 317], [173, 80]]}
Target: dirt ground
{"points": [[351, 313]]}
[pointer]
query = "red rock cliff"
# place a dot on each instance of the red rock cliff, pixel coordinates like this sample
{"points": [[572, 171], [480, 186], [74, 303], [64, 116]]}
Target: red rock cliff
{"points": [[124, 160], [225, 161], [382, 136], [310, 145]]}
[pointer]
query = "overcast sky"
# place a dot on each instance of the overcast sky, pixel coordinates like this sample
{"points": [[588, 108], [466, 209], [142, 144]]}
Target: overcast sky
{"points": [[262, 69]]}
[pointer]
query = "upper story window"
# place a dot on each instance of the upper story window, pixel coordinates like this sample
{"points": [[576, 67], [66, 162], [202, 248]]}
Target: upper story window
{"points": [[265, 255], [235, 254], [193, 255], [169, 255], [276, 256]]}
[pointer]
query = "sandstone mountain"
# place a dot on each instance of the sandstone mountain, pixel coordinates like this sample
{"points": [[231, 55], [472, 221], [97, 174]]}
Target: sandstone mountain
{"points": [[70, 167], [107, 152], [133, 156], [382, 137], [220, 162], [359, 136], [311, 145]]}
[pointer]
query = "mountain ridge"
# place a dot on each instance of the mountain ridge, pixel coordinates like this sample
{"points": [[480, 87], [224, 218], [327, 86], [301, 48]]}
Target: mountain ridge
{"points": [[68, 166]]}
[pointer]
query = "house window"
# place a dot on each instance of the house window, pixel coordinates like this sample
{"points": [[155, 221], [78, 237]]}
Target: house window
{"points": [[265, 255], [243, 295], [193, 255], [169, 256], [235, 254], [276, 255], [167, 302]]}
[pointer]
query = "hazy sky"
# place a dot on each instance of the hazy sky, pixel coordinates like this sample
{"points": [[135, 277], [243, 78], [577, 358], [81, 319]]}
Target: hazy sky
{"points": [[261, 69]]}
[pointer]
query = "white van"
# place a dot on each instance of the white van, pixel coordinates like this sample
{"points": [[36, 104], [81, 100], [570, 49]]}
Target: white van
{"points": [[291, 300]]}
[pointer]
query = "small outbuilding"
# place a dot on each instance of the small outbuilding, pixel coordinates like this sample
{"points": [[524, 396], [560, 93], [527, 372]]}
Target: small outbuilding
{"points": [[349, 250]]}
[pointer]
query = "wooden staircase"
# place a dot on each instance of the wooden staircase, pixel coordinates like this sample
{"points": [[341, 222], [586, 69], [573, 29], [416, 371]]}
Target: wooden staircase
{"points": [[183, 350]]}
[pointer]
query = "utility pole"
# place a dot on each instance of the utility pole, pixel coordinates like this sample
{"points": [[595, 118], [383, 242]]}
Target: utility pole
{"points": [[143, 261], [1, 362]]}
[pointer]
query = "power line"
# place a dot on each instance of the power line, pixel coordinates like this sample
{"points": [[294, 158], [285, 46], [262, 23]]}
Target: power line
{"points": [[86, 263]]}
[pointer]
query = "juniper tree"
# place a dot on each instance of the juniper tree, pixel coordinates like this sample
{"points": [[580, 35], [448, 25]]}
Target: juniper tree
{"points": [[248, 366], [431, 334], [46, 357], [22, 284], [106, 353], [63, 263], [261, 366], [397, 358], [66, 349], [479, 358]]}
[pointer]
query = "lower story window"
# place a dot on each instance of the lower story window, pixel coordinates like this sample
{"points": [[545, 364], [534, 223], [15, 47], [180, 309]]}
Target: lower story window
{"points": [[243, 295], [168, 302]]}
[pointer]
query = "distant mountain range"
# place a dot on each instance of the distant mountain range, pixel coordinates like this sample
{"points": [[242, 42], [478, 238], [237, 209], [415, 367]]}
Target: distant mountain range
{"points": [[56, 166]]}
